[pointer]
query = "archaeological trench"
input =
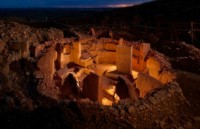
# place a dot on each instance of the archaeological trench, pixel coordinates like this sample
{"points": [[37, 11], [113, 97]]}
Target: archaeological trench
{"points": [[86, 82]]}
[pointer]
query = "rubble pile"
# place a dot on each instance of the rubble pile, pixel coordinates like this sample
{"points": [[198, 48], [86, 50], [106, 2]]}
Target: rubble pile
{"points": [[181, 55], [12, 31]]}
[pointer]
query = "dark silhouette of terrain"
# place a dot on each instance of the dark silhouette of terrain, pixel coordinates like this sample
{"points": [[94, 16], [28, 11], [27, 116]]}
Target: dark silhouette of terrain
{"points": [[167, 19]]}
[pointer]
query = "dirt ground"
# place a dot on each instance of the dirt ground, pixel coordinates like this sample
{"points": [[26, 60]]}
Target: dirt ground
{"points": [[190, 85]]}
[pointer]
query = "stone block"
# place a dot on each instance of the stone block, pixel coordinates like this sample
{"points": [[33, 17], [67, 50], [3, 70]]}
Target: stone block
{"points": [[146, 84], [145, 47], [67, 49], [46, 63], [38, 50], [154, 67], [111, 34], [124, 59], [121, 41], [62, 73], [139, 55], [158, 71], [93, 33], [106, 102], [138, 64], [92, 88], [76, 52], [64, 59], [85, 63], [107, 57]]}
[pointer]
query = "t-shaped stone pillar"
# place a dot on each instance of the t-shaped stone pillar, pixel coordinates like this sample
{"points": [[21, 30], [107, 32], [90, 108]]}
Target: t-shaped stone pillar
{"points": [[124, 59], [92, 32], [111, 34], [121, 41], [76, 51]]}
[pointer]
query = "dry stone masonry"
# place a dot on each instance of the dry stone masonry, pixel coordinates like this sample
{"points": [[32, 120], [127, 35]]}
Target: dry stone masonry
{"points": [[136, 69]]}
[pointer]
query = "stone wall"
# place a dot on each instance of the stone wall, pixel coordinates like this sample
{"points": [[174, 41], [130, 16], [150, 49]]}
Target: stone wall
{"points": [[110, 46], [161, 109], [138, 64], [139, 55], [160, 68], [107, 57], [146, 84]]}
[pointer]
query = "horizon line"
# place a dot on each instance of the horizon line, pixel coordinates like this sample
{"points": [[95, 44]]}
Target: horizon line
{"points": [[63, 7], [112, 6]]}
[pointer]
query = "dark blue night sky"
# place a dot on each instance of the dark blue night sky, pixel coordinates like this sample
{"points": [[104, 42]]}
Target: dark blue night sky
{"points": [[68, 3]]}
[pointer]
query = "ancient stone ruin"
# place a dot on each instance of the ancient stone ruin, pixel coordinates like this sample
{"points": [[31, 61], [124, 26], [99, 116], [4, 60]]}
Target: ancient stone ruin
{"points": [[107, 82], [101, 70]]}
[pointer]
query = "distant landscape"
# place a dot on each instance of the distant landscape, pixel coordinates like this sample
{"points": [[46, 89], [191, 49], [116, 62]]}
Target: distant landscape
{"points": [[169, 20]]}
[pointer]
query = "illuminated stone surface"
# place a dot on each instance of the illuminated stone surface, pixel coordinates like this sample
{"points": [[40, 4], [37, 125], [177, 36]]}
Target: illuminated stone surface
{"points": [[124, 59]]}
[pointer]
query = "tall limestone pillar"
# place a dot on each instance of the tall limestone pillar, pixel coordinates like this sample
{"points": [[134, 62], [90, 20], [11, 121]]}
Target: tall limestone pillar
{"points": [[124, 59], [76, 52]]}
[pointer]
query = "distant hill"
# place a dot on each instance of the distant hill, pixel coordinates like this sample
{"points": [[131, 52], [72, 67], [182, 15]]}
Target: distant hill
{"points": [[186, 10], [168, 19]]}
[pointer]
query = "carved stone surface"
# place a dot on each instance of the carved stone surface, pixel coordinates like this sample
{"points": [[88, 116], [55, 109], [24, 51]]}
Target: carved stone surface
{"points": [[124, 59]]}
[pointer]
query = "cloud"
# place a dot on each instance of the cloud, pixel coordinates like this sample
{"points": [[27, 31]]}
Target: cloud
{"points": [[120, 5]]}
